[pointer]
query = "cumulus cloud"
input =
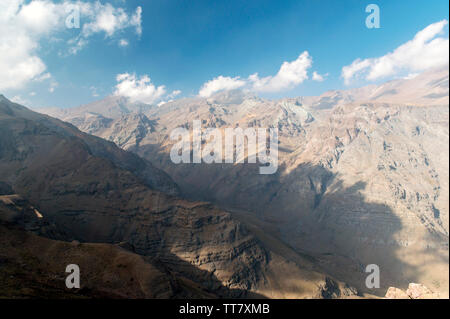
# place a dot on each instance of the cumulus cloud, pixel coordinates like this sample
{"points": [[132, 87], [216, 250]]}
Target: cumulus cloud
{"points": [[318, 77], [138, 89], [105, 19], [108, 19], [220, 83], [23, 24], [17, 61], [289, 75], [427, 50]]}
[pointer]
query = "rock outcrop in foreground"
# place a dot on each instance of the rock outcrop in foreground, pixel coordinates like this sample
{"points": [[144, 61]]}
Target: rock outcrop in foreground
{"points": [[414, 291]]}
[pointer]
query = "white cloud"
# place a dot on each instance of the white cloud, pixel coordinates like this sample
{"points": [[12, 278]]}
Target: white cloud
{"points": [[123, 43], [43, 77], [290, 75], [108, 19], [220, 83], [136, 20], [174, 94], [427, 50], [18, 64], [24, 24], [39, 16], [165, 102], [318, 77], [170, 97], [138, 89], [76, 45]]}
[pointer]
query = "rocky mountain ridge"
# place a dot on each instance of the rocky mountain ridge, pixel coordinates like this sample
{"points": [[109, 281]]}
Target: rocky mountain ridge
{"points": [[362, 177], [60, 185]]}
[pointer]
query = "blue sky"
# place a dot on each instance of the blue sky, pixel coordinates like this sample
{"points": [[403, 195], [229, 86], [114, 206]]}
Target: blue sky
{"points": [[184, 44]]}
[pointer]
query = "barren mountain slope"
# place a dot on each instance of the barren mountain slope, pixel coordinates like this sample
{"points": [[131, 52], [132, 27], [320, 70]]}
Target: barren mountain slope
{"points": [[365, 181], [362, 178], [34, 267], [83, 188], [425, 89]]}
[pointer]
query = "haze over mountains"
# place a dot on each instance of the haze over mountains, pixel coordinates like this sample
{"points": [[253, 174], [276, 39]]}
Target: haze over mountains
{"points": [[362, 178]]}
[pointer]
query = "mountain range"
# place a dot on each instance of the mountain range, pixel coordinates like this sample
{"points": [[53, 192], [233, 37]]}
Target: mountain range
{"points": [[67, 197], [362, 179]]}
